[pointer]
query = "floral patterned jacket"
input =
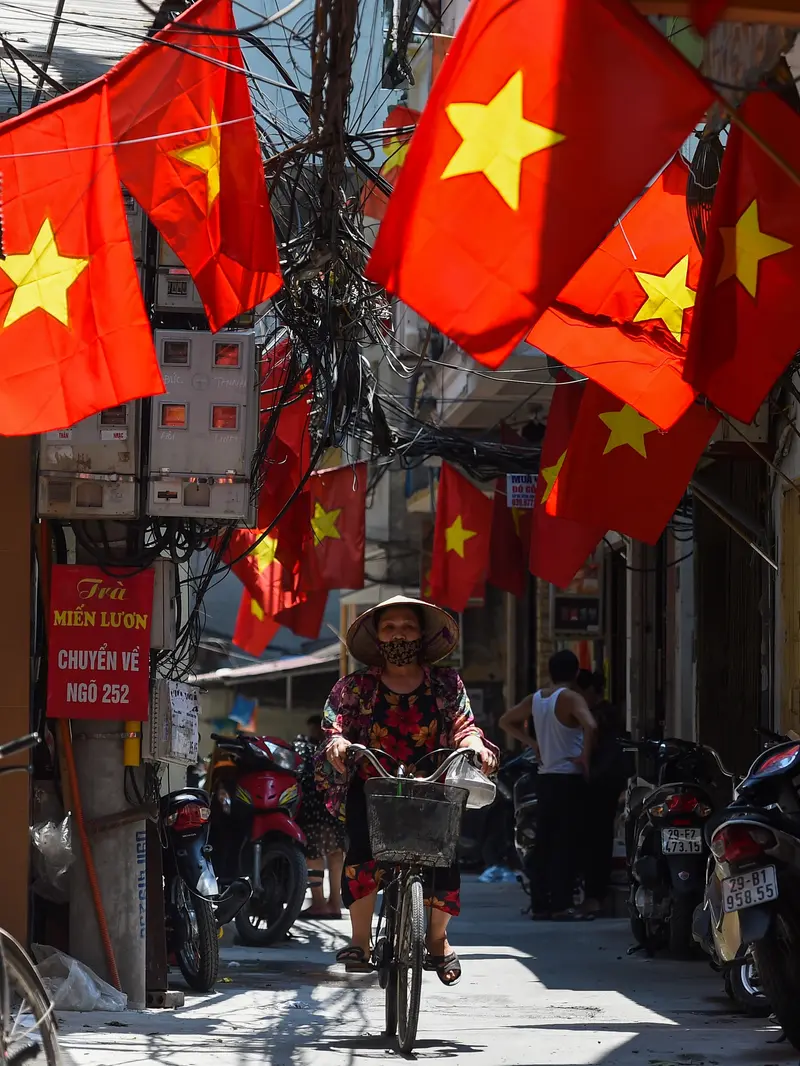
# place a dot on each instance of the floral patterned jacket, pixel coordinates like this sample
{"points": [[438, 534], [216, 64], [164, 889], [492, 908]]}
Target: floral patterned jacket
{"points": [[348, 714]]}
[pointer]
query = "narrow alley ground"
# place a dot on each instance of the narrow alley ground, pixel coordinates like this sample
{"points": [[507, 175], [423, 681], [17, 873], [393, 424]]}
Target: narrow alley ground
{"points": [[532, 995]]}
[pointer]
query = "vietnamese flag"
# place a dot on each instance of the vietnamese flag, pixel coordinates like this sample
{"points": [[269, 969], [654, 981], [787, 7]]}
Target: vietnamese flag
{"points": [[511, 534], [250, 554], [254, 629], [461, 539], [624, 471], [746, 328], [333, 556], [624, 319], [704, 13], [74, 334], [285, 416], [559, 546], [189, 153], [547, 119], [395, 148]]}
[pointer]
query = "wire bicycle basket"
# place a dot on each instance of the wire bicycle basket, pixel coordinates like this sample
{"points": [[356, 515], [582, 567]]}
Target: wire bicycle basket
{"points": [[414, 822]]}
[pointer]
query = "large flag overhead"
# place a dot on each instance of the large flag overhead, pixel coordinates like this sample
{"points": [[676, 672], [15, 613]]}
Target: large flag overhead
{"points": [[560, 546], [625, 472], [336, 534], [547, 119], [74, 334], [746, 328], [189, 153], [254, 629], [461, 538], [624, 318]]}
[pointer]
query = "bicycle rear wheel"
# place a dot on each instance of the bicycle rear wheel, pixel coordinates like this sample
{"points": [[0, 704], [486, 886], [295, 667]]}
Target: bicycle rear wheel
{"points": [[29, 1029], [408, 958]]}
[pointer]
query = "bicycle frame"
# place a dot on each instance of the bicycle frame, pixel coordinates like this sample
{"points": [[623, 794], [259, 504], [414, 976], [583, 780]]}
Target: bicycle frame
{"points": [[399, 894]]}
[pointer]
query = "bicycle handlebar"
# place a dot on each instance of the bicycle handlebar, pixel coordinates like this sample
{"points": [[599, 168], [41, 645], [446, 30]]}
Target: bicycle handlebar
{"points": [[20, 744], [359, 751]]}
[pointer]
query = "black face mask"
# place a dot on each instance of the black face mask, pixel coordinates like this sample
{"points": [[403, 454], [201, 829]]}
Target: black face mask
{"points": [[400, 652]]}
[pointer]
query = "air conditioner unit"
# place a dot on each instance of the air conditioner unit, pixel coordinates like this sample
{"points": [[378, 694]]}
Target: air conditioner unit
{"points": [[91, 469], [171, 734]]}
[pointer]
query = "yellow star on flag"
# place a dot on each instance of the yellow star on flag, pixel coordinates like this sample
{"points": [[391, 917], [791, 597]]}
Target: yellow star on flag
{"points": [[456, 537], [668, 296], [205, 156], [324, 523], [395, 151], [744, 246], [264, 552], [256, 610], [495, 138], [42, 277], [627, 427], [550, 473]]}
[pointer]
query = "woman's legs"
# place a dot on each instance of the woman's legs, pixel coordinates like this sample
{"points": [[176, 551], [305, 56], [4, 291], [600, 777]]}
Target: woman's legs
{"points": [[361, 912], [443, 897], [438, 944], [316, 876], [335, 867]]}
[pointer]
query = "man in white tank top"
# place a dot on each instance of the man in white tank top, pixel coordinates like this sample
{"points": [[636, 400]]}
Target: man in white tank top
{"points": [[561, 728]]}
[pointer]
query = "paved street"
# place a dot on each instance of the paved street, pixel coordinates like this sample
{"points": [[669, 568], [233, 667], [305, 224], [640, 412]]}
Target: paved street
{"points": [[532, 995]]}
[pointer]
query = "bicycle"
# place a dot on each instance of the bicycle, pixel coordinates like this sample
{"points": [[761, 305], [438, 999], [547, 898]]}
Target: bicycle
{"points": [[414, 824], [28, 1023]]}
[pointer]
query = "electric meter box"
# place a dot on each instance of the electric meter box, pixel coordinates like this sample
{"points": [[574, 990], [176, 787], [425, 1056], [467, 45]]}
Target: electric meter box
{"points": [[204, 430], [91, 469], [175, 290]]}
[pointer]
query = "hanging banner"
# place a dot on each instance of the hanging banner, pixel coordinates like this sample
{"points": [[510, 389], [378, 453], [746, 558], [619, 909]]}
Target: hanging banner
{"points": [[99, 644]]}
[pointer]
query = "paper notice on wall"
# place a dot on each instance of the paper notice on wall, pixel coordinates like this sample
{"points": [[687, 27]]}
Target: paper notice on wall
{"points": [[185, 714], [520, 491]]}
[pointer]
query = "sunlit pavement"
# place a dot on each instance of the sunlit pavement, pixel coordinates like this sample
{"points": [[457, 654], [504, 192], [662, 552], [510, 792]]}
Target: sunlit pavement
{"points": [[532, 994]]}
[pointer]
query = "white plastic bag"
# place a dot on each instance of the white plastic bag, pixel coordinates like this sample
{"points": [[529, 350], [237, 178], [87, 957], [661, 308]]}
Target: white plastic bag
{"points": [[481, 791], [71, 985], [53, 855]]}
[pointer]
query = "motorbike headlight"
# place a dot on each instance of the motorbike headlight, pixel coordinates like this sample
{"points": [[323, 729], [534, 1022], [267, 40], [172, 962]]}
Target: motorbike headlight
{"points": [[282, 757]]}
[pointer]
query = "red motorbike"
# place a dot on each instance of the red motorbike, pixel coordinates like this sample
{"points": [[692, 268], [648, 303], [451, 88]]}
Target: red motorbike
{"points": [[255, 795]]}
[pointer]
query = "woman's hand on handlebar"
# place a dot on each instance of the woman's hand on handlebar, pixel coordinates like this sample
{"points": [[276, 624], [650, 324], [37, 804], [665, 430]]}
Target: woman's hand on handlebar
{"points": [[337, 754], [486, 755]]}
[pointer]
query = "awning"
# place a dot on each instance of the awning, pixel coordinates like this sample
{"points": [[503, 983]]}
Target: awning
{"points": [[324, 660]]}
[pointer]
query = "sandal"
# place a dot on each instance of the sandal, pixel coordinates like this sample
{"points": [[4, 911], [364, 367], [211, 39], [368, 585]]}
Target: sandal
{"points": [[442, 965], [571, 916], [355, 959]]}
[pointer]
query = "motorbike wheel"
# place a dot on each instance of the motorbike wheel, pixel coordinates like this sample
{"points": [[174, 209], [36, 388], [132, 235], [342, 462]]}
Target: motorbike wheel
{"points": [[268, 917], [743, 985], [196, 940], [778, 959], [681, 942]]}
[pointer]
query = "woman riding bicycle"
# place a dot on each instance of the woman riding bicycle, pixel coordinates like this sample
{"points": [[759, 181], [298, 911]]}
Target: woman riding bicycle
{"points": [[407, 707]]}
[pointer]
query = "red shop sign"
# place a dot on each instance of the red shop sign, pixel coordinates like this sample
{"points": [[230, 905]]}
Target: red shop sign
{"points": [[99, 644]]}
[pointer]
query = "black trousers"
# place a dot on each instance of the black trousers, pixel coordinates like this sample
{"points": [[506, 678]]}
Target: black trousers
{"points": [[559, 841], [602, 800]]}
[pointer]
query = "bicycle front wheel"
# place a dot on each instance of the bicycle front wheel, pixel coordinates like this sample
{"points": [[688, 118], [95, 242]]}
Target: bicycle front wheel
{"points": [[408, 958], [29, 1024]]}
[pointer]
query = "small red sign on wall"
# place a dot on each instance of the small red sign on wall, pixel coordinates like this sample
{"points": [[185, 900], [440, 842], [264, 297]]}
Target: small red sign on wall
{"points": [[99, 644]]}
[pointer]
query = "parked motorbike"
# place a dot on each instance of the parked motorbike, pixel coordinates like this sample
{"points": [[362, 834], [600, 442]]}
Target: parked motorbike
{"points": [[255, 795], [756, 847], [194, 907], [488, 834], [526, 814], [665, 847]]}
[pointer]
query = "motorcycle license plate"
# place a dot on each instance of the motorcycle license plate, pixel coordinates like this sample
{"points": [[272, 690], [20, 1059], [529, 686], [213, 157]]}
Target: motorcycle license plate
{"points": [[681, 841], [750, 889]]}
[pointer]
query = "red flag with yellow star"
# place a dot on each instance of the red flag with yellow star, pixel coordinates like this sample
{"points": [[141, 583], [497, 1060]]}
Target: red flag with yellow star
{"points": [[250, 554], [333, 554], [624, 319], [511, 534], [254, 629], [461, 538], [74, 334], [625, 472], [188, 151], [492, 214], [746, 328], [560, 546], [395, 149]]}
